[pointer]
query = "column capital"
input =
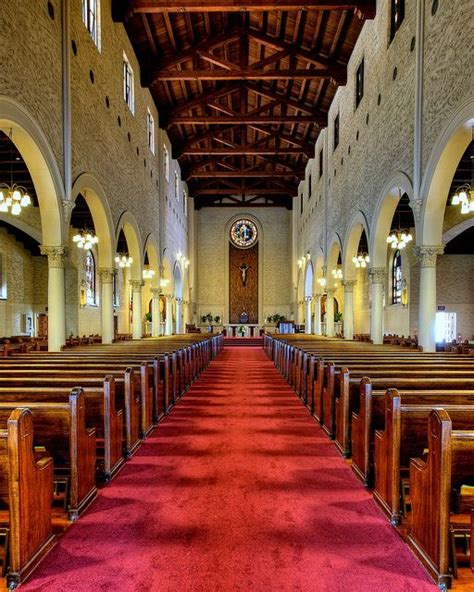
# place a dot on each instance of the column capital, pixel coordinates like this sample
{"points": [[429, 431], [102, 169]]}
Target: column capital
{"points": [[179, 300], [68, 206], [330, 292], [155, 292], [427, 254], [317, 296], [106, 274], [168, 297], [56, 255], [137, 285], [349, 285], [308, 299], [377, 275]]}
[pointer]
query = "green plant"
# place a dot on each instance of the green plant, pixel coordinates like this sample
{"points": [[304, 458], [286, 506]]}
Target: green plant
{"points": [[207, 318], [217, 319], [241, 330], [337, 317], [148, 317], [276, 318]]}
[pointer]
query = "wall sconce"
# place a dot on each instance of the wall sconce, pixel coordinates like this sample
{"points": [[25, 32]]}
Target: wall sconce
{"points": [[322, 281]]}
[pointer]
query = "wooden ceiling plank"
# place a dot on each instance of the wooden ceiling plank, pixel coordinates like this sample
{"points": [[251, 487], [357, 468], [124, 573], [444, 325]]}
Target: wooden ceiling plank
{"points": [[245, 120]]}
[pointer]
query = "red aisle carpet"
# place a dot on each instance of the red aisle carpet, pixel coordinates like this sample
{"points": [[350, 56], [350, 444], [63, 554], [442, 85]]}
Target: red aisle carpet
{"points": [[238, 490]]}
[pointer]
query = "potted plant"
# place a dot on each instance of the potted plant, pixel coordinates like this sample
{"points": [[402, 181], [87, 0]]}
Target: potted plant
{"points": [[207, 319], [217, 319], [337, 317], [241, 330], [148, 317]]}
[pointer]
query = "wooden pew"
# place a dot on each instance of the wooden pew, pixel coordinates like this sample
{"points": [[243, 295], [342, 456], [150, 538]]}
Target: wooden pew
{"points": [[26, 488], [450, 462], [339, 405], [101, 414], [127, 399], [369, 416], [405, 436], [61, 429]]}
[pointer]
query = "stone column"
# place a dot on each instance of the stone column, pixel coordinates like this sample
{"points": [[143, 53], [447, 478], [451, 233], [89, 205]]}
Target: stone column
{"points": [[317, 314], [186, 316], [307, 320], [330, 312], [427, 299], [137, 308], [155, 312], [179, 320], [377, 278], [56, 297], [107, 304], [169, 314], [349, 308]]}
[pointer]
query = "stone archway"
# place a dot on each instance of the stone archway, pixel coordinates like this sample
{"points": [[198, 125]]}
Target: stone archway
{"points": [[38, 156]]}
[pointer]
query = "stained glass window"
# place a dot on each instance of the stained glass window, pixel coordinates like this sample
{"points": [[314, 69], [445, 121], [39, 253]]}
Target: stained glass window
{"points": [[90, 279], [397, 278]]}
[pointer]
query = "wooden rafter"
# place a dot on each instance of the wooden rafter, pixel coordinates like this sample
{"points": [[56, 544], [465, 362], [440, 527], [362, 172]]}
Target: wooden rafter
{"points": [[364, 8], [243, 89]]}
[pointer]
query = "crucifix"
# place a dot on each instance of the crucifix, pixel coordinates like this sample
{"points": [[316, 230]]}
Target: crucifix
{"points": [[244, 268]]}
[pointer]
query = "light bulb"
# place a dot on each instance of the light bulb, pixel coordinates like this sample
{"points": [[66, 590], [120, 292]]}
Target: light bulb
{"points": [[3, 207], [462, 195], [8, 201], [16, 209], [16, 195], [25, 201], [2, 197], [465, 208]]}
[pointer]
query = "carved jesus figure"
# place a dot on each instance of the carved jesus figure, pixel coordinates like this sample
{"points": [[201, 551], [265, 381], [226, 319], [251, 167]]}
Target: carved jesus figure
{"points": [[244, 268]]}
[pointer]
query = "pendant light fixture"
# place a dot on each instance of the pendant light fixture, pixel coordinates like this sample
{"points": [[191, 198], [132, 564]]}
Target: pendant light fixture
{"points": [[13, 197]]}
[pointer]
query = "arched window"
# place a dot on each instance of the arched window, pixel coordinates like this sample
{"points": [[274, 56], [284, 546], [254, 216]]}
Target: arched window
{"points": [[90, 279], [397, 278]]}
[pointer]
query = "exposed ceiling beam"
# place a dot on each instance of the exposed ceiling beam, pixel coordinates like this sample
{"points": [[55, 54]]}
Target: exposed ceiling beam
{"points": [[122, 8], [245, 191], [202, 99], [238, 174], [242, 150], [242, 119], [247, 74]]}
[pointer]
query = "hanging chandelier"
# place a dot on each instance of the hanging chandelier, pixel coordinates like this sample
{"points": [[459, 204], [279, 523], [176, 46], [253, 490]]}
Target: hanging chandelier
{"points": [[464, 195], [85, 239], [148, 273], [322, 281], [399, 239], [337, 273], [361, 260], [123, 260], [13, 197]]}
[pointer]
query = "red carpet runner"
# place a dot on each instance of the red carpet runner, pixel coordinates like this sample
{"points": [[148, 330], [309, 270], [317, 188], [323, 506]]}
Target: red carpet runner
{"points": [[238, 490]]}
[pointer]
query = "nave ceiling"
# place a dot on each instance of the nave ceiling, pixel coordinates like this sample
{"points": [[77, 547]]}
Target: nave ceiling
{"points": [[243, 92]]}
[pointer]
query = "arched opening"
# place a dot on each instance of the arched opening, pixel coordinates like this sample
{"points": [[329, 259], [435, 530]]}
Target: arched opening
{"points": [[151, 286], [35, 304], [455, 267], [332, 323], [129, 262], [178, 299], [394, 218]]}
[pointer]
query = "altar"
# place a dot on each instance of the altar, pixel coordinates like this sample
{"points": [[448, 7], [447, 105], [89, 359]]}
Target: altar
{"points": [[249, 330]]}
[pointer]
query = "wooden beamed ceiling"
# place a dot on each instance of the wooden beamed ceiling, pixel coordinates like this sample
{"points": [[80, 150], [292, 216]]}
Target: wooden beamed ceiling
{"points": [[243, 90]]}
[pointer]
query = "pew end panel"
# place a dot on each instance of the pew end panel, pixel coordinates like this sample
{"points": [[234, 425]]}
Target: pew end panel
{"points": [[30, 487]]}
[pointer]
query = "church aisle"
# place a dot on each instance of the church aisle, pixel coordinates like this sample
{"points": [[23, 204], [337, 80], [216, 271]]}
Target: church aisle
{"points": [[237, 490]]}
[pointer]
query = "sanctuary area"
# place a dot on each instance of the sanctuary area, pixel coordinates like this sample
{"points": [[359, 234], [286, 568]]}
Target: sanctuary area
{"points": [[237, 295]]}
